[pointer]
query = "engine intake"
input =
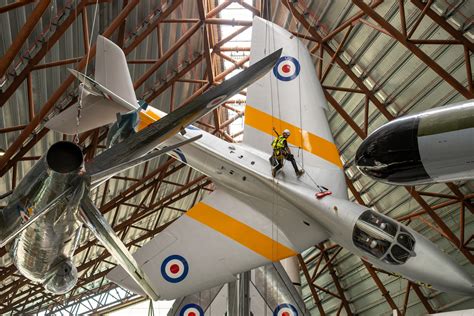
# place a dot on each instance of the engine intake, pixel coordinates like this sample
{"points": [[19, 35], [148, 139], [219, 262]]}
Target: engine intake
{"points": [[64, 157]]}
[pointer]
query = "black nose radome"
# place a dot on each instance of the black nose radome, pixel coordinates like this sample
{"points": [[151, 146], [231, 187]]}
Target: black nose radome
{"points": [[390, 154]]}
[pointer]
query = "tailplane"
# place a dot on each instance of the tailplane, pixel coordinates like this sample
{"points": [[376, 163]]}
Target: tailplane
{"points": [[290, 97], [110, 92]]}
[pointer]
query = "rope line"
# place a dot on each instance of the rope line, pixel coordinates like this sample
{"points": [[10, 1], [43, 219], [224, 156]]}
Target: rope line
{"points": [[81, 86]]}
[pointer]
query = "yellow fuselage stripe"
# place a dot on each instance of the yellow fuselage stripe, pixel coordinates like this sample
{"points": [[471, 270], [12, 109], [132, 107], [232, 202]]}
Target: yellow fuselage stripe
{"points": [[146, 118], [240, 232], [300, 138]]}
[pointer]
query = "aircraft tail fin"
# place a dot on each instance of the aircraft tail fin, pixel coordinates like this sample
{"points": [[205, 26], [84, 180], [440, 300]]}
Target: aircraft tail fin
{"points": [[290, 97], [111, 70], [109, 93]]}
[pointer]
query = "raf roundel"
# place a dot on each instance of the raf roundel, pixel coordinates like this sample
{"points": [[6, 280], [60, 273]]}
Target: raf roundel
{"points": [[191, 310], [287, 68], [174, 269], [285, 310]]}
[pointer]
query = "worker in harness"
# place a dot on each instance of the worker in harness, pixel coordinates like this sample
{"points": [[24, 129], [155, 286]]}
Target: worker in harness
{"points": [[281, 151]]}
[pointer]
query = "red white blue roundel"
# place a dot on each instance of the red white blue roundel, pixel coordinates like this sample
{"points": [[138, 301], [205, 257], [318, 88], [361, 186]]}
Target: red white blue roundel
{"points": [[191, 310], [174, 269], [287, 68], [285, 310], [216, 101]]}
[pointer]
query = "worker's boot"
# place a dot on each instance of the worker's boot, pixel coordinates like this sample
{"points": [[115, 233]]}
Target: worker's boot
{"points": [[300, 173]]}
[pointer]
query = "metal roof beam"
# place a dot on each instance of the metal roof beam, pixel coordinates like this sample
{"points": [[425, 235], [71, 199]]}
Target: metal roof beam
{"points": [[152, 26], [207, 48], [355, 78], [182, 40], [335, 278], [414, 49], [378, 282], [312, 288], [15, 5], [22, 35], [41, 53], [445, 25], [167, 84]]}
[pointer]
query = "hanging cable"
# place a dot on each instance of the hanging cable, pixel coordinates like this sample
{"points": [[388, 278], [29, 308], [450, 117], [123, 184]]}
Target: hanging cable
{"points": [[151, 309], [300, 109], [81, 86]]}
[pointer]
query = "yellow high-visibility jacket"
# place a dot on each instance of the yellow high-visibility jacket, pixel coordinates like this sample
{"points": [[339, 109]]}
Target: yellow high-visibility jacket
{"points": [[279, 146]]}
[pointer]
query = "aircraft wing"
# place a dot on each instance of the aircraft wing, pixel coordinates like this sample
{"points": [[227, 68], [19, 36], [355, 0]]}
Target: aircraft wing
{"points": [[65, 122], [221, 236], [101, 176], [147, 139], [106, 235]]}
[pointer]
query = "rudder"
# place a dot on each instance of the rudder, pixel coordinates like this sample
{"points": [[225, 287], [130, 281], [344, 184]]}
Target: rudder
{"points": [[290, 97]]}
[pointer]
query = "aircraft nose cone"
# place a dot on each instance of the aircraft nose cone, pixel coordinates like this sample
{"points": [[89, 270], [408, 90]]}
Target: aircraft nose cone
{"points": [[373, 158], [366, 156], [391, 154], [433, 267]]}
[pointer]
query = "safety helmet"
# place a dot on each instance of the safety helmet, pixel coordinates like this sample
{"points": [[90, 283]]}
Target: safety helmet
{"points": [[286, 132]]}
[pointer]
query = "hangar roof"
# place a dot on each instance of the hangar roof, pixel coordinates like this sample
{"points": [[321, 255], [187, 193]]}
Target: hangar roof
{"points": [[377, 60]]}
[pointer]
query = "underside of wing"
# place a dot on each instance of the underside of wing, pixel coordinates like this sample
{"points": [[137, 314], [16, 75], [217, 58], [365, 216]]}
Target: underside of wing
{"points": [[99, 177], [106, 235], [216, 239], [147, 139], [96, 111]]}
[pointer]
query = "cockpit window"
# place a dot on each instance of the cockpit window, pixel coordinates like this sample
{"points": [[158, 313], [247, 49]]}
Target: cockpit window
{"points": [[381, 222], [399, 253], [406, 241], [383, 238], [374, 246], [388, 258]]}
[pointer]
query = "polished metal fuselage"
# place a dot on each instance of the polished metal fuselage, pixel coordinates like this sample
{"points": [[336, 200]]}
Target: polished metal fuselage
{"points": [[52, 238]]}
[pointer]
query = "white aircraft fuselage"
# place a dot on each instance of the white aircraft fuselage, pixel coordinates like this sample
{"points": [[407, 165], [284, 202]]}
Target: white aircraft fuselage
{"points": [[248, 171]]}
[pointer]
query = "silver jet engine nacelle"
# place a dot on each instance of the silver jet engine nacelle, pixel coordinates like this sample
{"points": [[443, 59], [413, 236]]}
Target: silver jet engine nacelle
{"points": [[433, 146], [41, 252]]}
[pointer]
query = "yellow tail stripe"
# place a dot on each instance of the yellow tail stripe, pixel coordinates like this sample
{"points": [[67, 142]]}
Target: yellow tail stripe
{"points": [[239, 232], [312, 143]]}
